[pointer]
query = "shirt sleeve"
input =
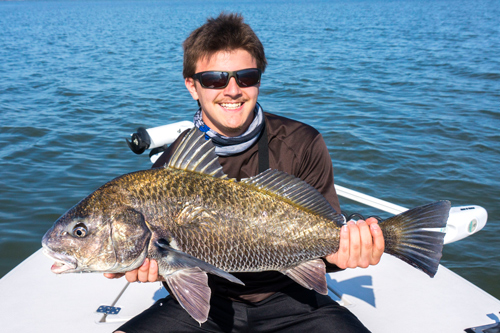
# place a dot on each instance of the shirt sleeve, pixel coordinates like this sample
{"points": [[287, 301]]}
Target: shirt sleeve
{"points": [[317, 170]]}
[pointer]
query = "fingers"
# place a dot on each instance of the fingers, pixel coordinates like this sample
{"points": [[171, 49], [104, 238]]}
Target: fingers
{"points": [[354, 244], [366, 245], [143, 273], [371, 220], [342, 256], [148, 272], [132, 276], [361, 245], [113, 275], [378, 243], [153, 271]]}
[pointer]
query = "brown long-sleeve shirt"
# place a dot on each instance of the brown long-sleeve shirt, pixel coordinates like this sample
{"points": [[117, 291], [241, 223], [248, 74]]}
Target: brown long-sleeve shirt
{"points": [[297, 149]]}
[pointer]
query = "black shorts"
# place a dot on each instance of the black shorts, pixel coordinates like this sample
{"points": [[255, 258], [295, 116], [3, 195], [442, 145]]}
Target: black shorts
{"points": [[292, 310]]}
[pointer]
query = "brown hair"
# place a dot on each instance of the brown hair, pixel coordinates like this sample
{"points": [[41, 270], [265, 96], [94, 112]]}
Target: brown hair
{"points": [[227, 32]]}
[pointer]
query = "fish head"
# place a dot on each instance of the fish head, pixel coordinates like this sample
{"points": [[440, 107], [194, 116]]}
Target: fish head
{"points": [[91, 237]]}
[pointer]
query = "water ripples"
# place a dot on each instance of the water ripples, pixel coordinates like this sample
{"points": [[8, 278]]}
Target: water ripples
{"points": [[405, 93]]}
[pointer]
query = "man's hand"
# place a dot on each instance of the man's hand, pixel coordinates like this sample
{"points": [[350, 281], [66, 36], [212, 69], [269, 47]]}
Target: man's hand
{"points": [[361, 245], [148, 272]]}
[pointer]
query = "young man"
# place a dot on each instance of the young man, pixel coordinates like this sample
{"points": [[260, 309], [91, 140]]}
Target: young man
{"points": [[223, 62]]}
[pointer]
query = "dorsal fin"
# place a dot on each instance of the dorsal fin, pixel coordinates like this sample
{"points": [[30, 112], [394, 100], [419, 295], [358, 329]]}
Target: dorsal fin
{"points": [[296, 191], [197, 154]]}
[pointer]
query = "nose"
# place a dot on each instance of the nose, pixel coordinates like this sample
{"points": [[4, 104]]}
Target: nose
{"points": [[232, 89]]}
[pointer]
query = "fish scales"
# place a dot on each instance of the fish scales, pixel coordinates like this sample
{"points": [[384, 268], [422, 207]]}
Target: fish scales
{"points": [[193, 220], [238, 229]]}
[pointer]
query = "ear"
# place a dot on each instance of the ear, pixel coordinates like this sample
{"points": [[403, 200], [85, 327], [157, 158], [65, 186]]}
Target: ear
{"points": [[191, 87]]}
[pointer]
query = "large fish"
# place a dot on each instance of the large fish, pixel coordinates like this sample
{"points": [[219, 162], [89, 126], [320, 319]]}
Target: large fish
{"points": [[193, 220]]}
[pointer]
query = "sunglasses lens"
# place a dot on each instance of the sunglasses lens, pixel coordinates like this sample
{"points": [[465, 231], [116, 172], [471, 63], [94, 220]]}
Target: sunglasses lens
{"points": [[213, 79], [248, 77]]}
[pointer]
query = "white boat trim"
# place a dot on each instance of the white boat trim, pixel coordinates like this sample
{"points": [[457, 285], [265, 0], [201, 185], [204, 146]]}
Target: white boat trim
{"points": [[369, 200], [462, 222]]}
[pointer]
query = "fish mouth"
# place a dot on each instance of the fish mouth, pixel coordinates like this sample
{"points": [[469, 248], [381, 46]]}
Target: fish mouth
{"points": [[63, 263]]}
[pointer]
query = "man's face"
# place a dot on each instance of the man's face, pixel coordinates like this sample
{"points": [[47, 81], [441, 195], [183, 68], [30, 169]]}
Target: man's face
{"points": [[228, 111]]}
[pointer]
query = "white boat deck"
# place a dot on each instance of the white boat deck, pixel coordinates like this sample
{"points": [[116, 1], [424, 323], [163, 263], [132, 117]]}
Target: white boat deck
{"points": [[389, 297]]}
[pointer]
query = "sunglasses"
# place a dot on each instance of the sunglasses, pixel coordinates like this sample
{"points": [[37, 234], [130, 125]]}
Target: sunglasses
{"points": [[219, 80]]}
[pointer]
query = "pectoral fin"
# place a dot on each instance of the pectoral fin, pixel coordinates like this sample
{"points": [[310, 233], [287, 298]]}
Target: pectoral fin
{"points": [[310, 275], [187, 278], [190, 287], [178, 259]]}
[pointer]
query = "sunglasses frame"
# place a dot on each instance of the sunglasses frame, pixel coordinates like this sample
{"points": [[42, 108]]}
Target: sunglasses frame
{"points": [[231, 74]]}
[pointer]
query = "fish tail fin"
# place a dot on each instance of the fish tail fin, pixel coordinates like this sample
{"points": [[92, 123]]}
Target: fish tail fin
{"points": [[416, 236]]}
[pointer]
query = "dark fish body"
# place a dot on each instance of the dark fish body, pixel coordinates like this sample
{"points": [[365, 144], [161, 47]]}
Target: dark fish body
{"points": [[222, 222], [193, 220]]}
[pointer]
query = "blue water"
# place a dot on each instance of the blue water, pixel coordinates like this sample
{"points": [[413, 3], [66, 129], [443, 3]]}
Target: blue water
{"points": [[406, 94]]}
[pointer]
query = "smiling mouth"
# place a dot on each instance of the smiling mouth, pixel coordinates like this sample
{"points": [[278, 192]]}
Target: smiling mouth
{"points": [[63, 263], [231, 106]]}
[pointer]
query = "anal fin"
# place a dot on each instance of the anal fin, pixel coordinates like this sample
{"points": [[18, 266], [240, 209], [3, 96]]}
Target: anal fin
{"points": [[310, 274]]}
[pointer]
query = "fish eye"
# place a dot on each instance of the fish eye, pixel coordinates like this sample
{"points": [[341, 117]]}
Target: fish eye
{"points": [[80, 230]]}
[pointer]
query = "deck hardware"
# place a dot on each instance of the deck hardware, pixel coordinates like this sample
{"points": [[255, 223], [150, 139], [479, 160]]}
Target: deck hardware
{"points": [[111, 310], [491, 328]]}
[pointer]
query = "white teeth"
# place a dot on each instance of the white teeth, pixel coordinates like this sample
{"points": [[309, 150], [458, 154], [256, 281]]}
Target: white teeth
{"points": [[230, 105]]}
